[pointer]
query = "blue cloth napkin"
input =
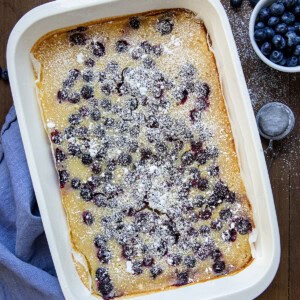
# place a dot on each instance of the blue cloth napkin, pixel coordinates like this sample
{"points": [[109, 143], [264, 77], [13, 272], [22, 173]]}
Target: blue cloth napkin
{"points": [[26, 267]]}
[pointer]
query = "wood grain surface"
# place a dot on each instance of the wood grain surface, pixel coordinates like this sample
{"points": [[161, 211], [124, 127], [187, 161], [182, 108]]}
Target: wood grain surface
{"points": [[265, 85]]}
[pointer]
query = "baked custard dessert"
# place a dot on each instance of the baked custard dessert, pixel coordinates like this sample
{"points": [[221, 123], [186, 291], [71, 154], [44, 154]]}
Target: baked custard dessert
{"points": [[144, 152]]}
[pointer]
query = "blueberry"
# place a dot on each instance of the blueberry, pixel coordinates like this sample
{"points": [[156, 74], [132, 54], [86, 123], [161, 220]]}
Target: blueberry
{"points": [[155, 271], [174, 259], [277, 9], [225, 214], [98, 49], [105, 104], [182, 278], [288, 18], [87, 92], [56, 137], [148, 261], [104, 255], [213, 171], [204, 230], [78, 39], [253, 2], [157, 50], [148, 63], [205, 214], [106, 89], [136, 53], [86, 159], [297, 12], [74, 98], [236, 3], [165, 26], [264, 14], [59, 155], [260, 35], [297, 28], [147, 47], [229, 235], [62, 95], [190, 261], [75, 119], [297, 50], [266, 48], [88, 218], [216, 225], [292, 61], [134, 23], [282, 62], [279, 42], [243, 226], [95, 114], [88, 76], [121, 46], [291, 38], [218, 266], [86, 193], [75, 183], [133, 104], [289, 3], [63, 177], [187, 158], [137, 268], [89, 62], [273, 21], [259, 25], [125, 159], [100, 241], [105, 286], [269, 32], [281, 28], [128, 251]]}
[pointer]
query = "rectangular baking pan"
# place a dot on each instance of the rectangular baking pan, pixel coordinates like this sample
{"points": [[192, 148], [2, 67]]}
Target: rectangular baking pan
{"points": [[246, 284]]}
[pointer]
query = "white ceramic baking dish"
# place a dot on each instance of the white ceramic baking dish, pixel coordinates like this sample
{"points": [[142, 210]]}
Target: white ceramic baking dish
{"points": [[246, 284]]}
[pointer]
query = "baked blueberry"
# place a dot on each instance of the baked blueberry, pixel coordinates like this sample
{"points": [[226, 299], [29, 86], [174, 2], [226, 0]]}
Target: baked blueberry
{"points": [[106, 89], [182, 278], [137, 53], [205, 214], [86, 159], [88, 218], [148, 63], [216, 225], [59, 155], [56, 137], [147, 47], [87, 92], [105, 286], [74, 98], [104, 255], [62, 95], [187, 158], [190, 261], [218, 266], [78, 38], [229, 235], [86, 193], [105, 104], [156, 271], [121, 46], [63, 177], [95, 114], [74, 119], [157, 50], [75, 183], [125, 159], [216, 254], [100, 241], [225, 214], [89, 62], [204, 230], [98, 49], [243, 226], [137, 268], [174, 259], [165, 26], [134, 22], [148, 261], [128, 251]]}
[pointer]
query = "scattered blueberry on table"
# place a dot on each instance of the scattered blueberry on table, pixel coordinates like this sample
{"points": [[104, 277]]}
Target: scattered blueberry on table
{"points": [[4, 74], [277, 32]]}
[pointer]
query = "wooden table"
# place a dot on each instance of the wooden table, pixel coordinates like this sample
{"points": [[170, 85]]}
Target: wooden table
{"points": [[265, 85]]}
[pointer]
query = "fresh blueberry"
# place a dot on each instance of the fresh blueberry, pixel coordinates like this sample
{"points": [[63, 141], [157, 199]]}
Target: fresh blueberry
{"points": [[266, 48], [236, 3], [281, 28], [289, 3], [277, 9], [269, 32], [260, 35], [297, 27], [292, 61], [264, 14], [253, 2], [288, 18], [297, 50], [273, 21], [297, 12], [276, 56], [134, 23], [292, 38], [282, 62], [165, 26], [259, 25], [291, 28], [279, 42]]}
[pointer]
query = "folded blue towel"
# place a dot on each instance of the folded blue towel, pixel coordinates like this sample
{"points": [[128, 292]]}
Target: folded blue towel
{"points": [[26, 267]]}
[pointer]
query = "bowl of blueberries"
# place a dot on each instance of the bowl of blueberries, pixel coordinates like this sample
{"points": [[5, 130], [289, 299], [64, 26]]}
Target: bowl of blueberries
{"points": [[275, 33]]}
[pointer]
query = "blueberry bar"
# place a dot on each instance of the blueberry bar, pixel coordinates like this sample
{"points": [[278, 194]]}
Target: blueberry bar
{"points": [[144, 153]]}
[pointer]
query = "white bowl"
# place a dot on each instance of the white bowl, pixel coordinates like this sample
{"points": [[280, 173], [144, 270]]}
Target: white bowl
{"points": [[261, 4]]}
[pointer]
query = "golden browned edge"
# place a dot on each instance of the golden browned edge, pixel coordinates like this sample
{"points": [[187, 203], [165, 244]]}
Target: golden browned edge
{"points": [[83, 274]]}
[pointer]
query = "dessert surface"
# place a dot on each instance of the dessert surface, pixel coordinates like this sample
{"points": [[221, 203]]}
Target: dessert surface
{"points": [[143, 147]]}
